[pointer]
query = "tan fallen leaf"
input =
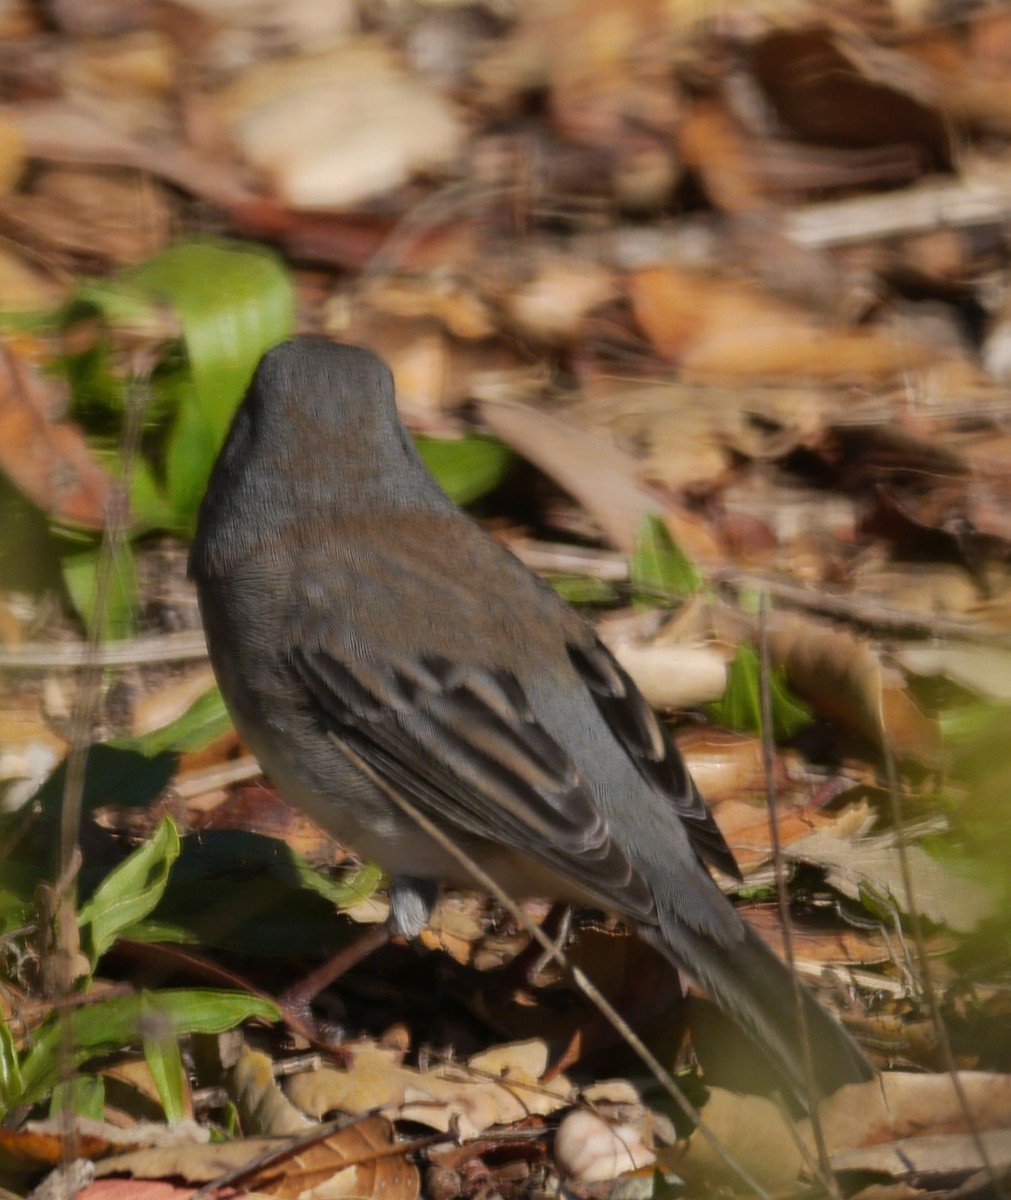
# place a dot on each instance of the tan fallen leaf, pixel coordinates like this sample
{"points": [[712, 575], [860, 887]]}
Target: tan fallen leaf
{"points": [[604, 479], [754, 1130], [453, 1095], [899, 1105], [333, 129]]}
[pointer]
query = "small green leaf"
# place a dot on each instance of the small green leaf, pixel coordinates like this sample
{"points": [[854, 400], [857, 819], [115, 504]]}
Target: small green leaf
{"points": [[164, 1060], [581, 589], [466, 468], [130, 891], [107, 1026], [11, 1082], [741, 705], [659, 570], [80, 574]]}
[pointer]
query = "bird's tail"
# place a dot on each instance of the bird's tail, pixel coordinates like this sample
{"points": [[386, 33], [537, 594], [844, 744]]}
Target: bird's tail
{"points": [[756, 989]]}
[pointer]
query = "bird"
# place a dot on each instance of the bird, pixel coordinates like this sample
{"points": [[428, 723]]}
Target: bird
{"points": [[372, 641]]}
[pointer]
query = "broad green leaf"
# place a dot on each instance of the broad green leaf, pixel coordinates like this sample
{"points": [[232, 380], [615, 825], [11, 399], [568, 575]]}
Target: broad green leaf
{"points": [[112, 776], [658, 569], [251, 894], [82, 1096], [202, 723], [107, 1026], [741, 705], [233, 302], [130, 891], [80, 574], [466, 468], [224, 304], [164, 1060]]}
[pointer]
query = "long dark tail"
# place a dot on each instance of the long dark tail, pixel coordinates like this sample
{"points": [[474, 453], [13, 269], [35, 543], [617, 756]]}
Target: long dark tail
{"points": [[756, 989]]}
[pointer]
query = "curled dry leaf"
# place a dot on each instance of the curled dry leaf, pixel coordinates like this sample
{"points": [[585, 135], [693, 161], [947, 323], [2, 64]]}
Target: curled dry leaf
{"points": [[453, 1095], [47, 459], [361, 1162], [746, 828], [674, 676], [591, 1148], [263, 1107], [846, 679]]}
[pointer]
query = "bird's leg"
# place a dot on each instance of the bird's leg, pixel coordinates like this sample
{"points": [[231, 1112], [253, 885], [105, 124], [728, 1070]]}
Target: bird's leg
{"points": [[296, 1000]]}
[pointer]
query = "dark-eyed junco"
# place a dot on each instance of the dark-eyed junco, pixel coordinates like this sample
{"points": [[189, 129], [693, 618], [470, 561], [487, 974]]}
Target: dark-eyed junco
{"points": [[349, 603]]}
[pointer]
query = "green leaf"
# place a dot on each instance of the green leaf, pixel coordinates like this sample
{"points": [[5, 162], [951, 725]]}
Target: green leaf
{"points": [[659, 570], [202, 723], [83, 1096], [11, 1083], [130, 891], [80, 574], [164, 1060], [251, 894], [107, 1026], [581, 589], [741, 705], [466, 468], [112, 776], [226, 303]]}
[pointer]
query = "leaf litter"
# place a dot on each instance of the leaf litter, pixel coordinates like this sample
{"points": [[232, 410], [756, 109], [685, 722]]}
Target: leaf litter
{"points": [[740, 274]]}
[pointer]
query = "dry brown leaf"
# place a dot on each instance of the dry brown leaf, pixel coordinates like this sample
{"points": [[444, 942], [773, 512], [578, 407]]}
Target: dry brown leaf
{"points": [[756, 1133], [333, 129], [45, 1143], [846, 678], [48, 460], [601, 477], [815, 948], [551, 306], [927, 1158], [440, 1097], [591, 1148], [263, 1107], [899, 1105], [725, 765], [157, 708], [746, 829], [722, 329], [362, 1162], [712, 143]]}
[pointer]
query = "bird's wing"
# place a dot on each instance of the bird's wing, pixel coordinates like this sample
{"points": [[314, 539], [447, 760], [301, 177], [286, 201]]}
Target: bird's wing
{"points": [[462, 743], [648, 744]]}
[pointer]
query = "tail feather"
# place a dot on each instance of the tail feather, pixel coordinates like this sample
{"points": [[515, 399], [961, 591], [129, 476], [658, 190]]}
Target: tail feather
{"points": [[756, 989]]}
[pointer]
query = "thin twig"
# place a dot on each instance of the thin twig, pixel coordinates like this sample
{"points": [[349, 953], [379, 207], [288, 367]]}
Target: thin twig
{"points": [[783, 899], [187, 645]]}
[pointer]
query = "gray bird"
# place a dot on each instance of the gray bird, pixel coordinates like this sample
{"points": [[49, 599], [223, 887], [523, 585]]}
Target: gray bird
{"points": [[348, 601]]}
